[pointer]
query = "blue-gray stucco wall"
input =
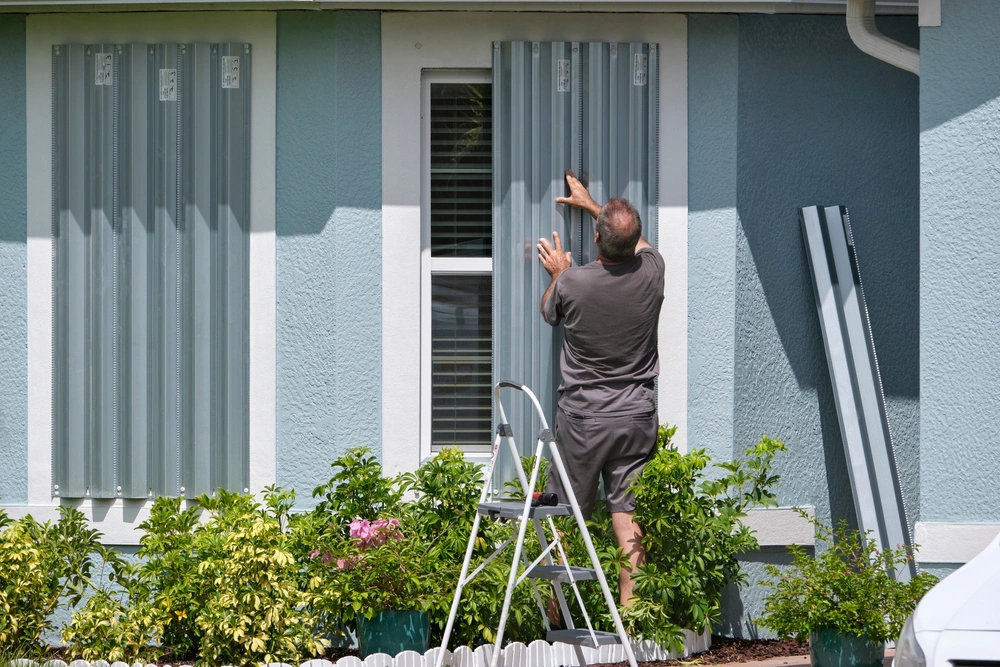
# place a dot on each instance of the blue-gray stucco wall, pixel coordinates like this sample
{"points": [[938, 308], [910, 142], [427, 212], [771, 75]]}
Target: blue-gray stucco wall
{"points": [[329, 241], [960, 263], [13, 265], [815, 121]]}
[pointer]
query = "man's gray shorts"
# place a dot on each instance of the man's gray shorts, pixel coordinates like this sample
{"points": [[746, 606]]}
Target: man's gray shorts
{"points": [[616, 447]]}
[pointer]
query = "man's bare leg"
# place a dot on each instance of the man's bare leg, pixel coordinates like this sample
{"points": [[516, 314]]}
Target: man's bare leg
{"points": [[629, 536]]}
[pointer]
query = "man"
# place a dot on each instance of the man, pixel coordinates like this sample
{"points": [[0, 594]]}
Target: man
{"points": [[605, 421]]}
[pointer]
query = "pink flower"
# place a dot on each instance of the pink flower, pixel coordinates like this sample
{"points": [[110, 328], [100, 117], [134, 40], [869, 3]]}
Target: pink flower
{"points": [[375, 533], [327, 557], [313, 554]]}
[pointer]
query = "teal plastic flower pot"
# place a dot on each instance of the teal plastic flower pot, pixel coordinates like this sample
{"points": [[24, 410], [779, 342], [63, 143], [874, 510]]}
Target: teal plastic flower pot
{"points": [[830, 648], [393, 632]]}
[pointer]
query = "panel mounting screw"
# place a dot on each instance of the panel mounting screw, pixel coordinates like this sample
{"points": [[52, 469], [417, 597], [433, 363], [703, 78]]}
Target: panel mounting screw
{"points": [[418, 45], [57, 50], [88, 52], [246, 490], [182, 489], [614, 48], [576, 49]]}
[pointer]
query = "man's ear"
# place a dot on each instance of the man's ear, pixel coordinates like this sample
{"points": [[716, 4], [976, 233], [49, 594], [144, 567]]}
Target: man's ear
{"points": [[597, 237]]}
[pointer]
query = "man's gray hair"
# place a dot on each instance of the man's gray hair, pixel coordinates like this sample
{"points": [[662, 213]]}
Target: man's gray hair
{"points": [[619, 228]]}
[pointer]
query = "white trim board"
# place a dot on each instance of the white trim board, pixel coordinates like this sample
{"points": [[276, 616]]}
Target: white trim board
{"points": [[42, 31], [782, 526], [412, 42], [945, 542]]}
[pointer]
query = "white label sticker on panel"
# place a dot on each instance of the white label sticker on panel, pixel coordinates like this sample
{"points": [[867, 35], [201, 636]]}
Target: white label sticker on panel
{"points": [[168, 85], [639, 70], [230, 71], [563, 70], [102, 69]]}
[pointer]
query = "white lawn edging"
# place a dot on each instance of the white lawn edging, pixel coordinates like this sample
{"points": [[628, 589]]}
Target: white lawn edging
{"points": [[538, 653]]}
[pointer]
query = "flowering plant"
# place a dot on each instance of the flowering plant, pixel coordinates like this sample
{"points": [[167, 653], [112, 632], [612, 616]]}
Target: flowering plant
{"points": [[846, 587], [376, 559]]}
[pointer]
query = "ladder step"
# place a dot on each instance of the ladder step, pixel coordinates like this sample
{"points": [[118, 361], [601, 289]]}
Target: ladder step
{"points": [[558, 573], [513, 510], [579, 637]]}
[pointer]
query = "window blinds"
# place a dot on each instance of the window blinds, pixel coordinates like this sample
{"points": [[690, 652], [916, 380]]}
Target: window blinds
{"points": [[150, 225], [592, 107], [461, 136]]}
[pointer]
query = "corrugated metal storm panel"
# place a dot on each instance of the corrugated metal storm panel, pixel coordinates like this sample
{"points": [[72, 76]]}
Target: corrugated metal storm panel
{"points": [[151, 272], [83, 277], [893, 527], [854, 373], [558, 106], [620, 132]]}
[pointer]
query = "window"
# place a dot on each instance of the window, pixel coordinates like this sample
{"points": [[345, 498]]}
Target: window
{"points": [[151, 235], [456, 289]]}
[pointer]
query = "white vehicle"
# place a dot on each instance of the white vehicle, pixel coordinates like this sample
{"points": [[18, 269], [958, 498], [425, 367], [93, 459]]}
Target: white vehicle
{"points": [[957, 624]]}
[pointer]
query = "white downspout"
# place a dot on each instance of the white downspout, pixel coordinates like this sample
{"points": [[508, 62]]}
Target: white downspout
{"points": [[864, 33]]}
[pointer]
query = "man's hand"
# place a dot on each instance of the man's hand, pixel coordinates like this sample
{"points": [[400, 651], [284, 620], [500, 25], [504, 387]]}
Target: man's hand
{"points": [[579, 196], [552, 256]]}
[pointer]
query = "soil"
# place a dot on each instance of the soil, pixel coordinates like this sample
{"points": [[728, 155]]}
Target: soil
{"points": [[725, 650]]}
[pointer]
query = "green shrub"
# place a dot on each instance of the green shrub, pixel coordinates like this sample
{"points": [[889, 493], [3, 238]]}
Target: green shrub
{"points": [[40, 566], [693, 535], [223, 588], [846, 587]]}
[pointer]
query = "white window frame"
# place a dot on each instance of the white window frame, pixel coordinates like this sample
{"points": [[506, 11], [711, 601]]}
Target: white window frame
{"points": [[413, 42], [429, 266], [118, 519]]}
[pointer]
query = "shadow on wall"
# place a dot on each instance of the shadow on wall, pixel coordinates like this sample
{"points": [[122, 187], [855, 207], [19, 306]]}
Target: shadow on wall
{"points": [[820, 122], [740, 608]]}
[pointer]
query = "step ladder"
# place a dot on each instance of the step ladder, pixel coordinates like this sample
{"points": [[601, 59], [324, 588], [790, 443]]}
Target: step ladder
{"points": [[545, 566]]}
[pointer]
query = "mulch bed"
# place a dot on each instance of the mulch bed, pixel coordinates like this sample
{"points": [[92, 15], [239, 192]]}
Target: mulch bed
{"points": [[725, 650]]}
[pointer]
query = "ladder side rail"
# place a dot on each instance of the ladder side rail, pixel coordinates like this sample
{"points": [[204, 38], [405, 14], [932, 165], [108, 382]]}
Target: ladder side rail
{"points": [[462, 580], [595, 561], [515, 453], [518, 547]]}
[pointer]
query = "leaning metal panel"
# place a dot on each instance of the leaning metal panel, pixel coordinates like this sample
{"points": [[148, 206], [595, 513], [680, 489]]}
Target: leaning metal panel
{"points": [[857, 386], [590, 107], [151, 174]]}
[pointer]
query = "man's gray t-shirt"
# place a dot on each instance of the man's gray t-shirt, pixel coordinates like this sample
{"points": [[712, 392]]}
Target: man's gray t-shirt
{"points": [[610, 314]]}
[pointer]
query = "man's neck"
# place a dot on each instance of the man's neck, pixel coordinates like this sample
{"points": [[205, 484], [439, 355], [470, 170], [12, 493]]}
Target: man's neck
{"points": [[601, 259]]}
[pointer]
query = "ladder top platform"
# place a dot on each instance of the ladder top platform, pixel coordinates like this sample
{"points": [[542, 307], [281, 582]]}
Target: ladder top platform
{"points": [[514, 510]]}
